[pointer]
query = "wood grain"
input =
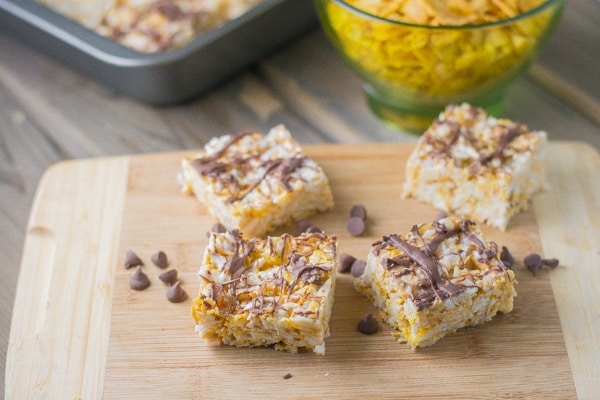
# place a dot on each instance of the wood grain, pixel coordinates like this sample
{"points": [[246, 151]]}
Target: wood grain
{"points": [[62, 324], [577, 245], [49, 113], [85, 333]]}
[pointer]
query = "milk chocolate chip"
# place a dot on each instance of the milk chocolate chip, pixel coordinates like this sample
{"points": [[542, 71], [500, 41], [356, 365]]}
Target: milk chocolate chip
{"points": [[218, 228], [358, 267], [303, 226], [507, 258], [175, 293], [169, 277], [357, 223], [551, 262], [132, 260], [160, 259], [358, 211], [356, 226], [345, 262], [368, 325], [139, 280], [534, 263]]}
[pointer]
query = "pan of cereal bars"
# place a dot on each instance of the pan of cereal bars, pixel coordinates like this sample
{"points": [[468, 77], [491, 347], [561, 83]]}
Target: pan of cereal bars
{"points": [[158, 51]]}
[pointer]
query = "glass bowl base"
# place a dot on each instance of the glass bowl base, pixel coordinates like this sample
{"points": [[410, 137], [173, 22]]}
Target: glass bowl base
{"points": [[416, 118]]}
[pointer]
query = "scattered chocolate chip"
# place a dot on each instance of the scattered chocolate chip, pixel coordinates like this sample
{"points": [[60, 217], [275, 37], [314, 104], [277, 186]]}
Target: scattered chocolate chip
{"points": [[160, 259], [551, 262], [218, 228], [345, 262], [442, 214], [357, 223], [287, 376], [313, 229], [358, 267], [175, 293], [368, 325], [132, 260], [355, 226], [169, 277], [507, 258], [139, 280], [303, 226], [534, 263], [358, 211]]}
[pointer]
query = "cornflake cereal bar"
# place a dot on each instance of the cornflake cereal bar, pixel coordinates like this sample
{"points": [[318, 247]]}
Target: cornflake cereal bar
{"points": [[477, 166], [151, 26], [437, 278], [274, 291], [256, 182]]}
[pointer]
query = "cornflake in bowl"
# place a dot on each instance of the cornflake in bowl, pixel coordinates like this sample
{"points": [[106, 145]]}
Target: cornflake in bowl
{"points": [[416, 56]]}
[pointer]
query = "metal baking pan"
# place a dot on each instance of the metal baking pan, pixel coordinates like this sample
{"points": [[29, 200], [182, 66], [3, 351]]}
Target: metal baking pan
{"points": [[166, 78]]}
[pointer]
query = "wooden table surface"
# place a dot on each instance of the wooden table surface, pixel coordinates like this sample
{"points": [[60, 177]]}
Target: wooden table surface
{"points": [[49, 113]]}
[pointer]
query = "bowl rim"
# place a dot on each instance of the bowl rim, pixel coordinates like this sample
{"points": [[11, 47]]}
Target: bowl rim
{"points": [[506, 21]]}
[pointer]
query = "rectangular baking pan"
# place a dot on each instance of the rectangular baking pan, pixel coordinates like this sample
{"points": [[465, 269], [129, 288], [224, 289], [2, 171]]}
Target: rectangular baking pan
{"points": [[166, 78]]}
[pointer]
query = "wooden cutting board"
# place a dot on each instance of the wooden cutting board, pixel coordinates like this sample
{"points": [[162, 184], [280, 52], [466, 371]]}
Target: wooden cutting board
{"points": [[79, 331]]}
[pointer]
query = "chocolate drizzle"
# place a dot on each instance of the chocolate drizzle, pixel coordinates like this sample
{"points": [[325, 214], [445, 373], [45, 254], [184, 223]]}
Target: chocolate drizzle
{"points": [[237, 261], [442, 147], [220, 168], [434, 286], [210, 166], [421, 258], [292, 266], [306, 272], [508, 136], [462, 124], [280, 168]]}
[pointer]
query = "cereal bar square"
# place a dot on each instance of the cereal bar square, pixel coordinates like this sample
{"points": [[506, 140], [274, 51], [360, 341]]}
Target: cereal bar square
{"points": [[477, 166], [435, 279], [260, 292], [255, 182]]}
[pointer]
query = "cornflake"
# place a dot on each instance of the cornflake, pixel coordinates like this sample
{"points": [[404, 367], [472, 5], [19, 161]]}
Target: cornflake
{"points": [[435, 279], [442, 61], [151, 26], [477, 166], [255, 182], [275, 291]]}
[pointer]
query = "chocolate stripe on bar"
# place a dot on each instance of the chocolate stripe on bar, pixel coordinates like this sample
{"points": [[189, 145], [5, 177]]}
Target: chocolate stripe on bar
{"points": [[433, 286], [233, 139], [280, 168], [429, 265]]}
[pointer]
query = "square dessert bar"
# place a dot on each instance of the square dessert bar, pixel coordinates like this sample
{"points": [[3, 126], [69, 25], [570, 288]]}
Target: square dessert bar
{"points": [[477, 166], [274, 291], [437, 278], [256, 182]]}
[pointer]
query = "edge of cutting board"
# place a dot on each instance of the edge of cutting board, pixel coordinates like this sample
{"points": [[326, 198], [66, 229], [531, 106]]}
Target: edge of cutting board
{"points": [[77, 348], [574, 206], [72, 235]]}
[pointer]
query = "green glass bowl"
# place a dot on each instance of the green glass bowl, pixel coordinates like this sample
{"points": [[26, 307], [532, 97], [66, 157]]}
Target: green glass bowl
{"points": [[411, 72]]}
